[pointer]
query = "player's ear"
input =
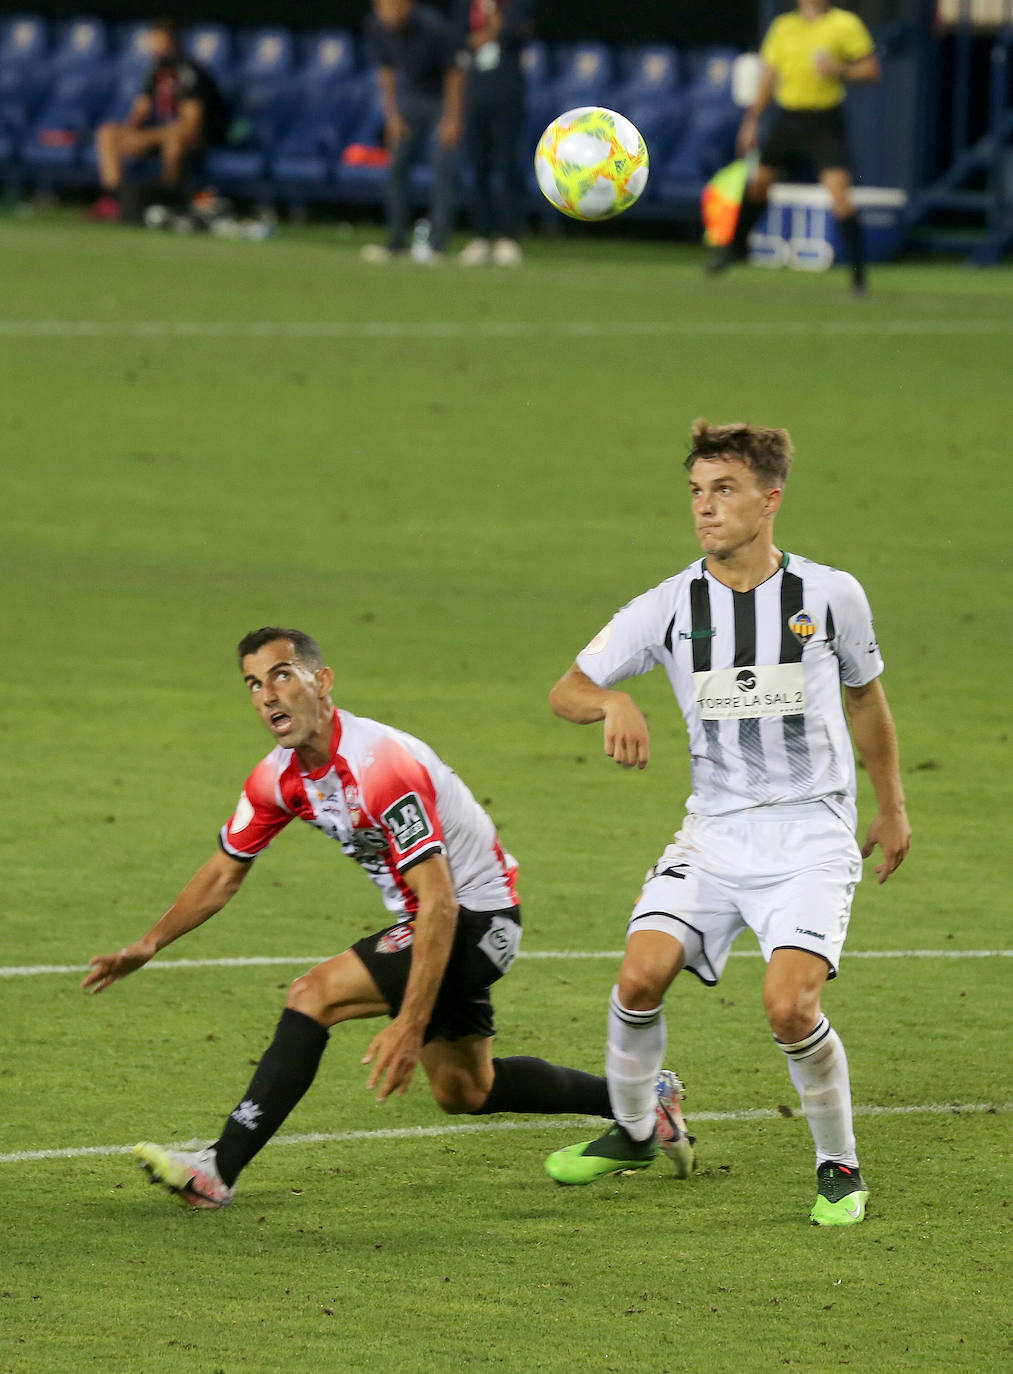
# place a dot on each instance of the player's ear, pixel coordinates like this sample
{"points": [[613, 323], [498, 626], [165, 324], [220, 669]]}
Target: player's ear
{"points": [[774, 497], [325, 680]]}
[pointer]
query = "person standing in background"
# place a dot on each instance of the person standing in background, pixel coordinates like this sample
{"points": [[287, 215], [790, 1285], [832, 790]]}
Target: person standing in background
{"points": [[808, 56], [421, 85], [494, 121]]}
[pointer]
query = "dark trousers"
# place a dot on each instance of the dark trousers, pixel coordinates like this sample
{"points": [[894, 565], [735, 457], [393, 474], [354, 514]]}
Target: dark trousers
{"points": [[495, 123], [421, 115]]}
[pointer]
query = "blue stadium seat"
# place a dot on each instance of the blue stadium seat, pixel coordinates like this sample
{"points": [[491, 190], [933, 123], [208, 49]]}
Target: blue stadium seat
{"points": [[265, 54], [13, 131], [24, 83], [709, 73], [663, 122], [132, 54], [329, 56], [64, 129], [211, 46], [708, 141], [24, 40], [707, 146], [536, 64], [81, 44], [126, 86], [264, 112], [649, 70], [584, 66], [583, 77]]}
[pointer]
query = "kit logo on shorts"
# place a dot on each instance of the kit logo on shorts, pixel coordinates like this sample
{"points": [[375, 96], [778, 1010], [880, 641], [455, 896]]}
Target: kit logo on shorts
{"points": [[400, 937], [802, 626], [407, 822]]}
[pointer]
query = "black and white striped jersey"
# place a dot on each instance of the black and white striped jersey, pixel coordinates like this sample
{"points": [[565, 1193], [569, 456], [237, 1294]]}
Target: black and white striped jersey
{"points": [[758, 677]]}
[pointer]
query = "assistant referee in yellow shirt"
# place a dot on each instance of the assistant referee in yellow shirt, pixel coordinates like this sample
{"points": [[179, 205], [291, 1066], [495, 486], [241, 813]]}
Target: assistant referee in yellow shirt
{"points": [[808, 55]]}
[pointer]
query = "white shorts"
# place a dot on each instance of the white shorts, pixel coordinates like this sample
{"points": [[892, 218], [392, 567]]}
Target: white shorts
{"points": [[788, 873]]}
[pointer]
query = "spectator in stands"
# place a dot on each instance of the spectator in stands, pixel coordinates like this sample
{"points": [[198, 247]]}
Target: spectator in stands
{"points": [[494, 122], [178, 110], [420, 61], [808, 55]]}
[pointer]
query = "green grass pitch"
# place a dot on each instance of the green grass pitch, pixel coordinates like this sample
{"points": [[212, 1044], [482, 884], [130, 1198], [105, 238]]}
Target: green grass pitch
{"points": [[453, 479]]}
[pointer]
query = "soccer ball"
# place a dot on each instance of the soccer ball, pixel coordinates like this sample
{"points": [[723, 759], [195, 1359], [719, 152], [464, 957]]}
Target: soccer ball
{"points": [[591, 163]]}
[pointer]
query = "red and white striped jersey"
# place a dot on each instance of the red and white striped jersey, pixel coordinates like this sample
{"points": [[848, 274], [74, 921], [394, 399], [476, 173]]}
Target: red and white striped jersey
{"points": [[390, 801]]}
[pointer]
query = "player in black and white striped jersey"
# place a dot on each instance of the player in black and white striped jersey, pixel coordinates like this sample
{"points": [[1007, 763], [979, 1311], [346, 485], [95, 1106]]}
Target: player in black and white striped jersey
{"points": [[757, 644]]}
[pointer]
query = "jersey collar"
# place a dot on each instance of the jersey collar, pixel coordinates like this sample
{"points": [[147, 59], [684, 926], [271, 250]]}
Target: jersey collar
{"points": [[322, 772], [780, 568]]}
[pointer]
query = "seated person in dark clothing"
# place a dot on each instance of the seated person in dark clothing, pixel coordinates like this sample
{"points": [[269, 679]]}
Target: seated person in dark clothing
{"points": [[178, 111]]}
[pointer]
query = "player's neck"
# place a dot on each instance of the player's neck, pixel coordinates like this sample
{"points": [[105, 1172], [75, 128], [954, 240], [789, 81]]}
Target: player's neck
{"points": [[746, 568], [315, 752]]}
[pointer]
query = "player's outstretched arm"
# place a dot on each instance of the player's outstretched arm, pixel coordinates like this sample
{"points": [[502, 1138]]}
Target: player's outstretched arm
{"points": [[875, 739], [395, 1052], [627, 740], [207, 892]]}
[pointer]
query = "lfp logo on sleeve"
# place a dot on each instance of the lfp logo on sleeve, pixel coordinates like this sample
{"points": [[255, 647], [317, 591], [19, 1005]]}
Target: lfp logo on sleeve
{"points": [[407, 822]]}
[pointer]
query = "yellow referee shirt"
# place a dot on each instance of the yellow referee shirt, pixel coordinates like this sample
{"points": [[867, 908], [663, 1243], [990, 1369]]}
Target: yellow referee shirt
{"points": [[792, 45]]}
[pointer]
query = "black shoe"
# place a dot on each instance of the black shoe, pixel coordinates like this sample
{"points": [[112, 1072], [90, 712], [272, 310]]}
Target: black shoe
{"points": [[721, 260]]}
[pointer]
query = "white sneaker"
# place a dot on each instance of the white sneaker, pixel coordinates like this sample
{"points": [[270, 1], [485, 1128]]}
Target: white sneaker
{"points": [[376, 253], [670, 1124], [507, 253], [192, 1176], [425, 255], [475, 254]]}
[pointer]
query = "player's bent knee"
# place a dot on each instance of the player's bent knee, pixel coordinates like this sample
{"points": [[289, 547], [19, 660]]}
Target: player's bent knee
{"points": [[308, 994], [640, 988], [458, 1095], [790, 1018]]}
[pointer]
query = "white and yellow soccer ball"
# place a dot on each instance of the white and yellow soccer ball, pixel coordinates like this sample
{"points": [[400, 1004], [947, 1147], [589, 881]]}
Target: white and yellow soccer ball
{"points": [[591, 163]]}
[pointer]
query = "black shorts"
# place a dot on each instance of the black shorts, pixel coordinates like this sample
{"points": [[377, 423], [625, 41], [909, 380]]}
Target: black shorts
{"points": [[804, 141], [484, 948]]}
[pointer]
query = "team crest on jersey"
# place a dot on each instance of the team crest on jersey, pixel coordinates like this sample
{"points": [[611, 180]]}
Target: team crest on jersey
{"points": [[400, 937], [802, 626]]}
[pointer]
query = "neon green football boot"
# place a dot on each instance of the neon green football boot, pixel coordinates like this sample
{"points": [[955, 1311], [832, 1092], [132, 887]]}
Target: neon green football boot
{"points": [[611, 1153], [841, 1196]]}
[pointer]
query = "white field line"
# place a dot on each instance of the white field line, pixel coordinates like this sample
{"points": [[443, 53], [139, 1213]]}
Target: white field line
{"points": [[309, 960], [534, 1124], [492, 329]]}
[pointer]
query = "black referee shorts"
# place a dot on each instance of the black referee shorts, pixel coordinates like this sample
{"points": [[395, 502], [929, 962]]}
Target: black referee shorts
{"points": [[484, 948], [801, 142]]}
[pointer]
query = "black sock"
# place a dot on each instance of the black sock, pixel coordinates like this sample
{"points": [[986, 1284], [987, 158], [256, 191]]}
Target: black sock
{"points": [[282, 1077], [532, 1085], [749, 212], [854, 244]]}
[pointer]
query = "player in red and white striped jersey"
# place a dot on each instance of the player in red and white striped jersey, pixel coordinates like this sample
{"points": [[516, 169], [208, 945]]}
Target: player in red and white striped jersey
{"points": [[397, 809]]}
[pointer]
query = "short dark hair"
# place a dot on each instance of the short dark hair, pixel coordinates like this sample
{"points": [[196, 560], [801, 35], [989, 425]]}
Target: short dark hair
{"points": [[766, 451], [165, 23], [307, 650]]}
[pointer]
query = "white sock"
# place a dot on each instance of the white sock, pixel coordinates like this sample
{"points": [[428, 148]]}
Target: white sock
{"points": [[633, 1055], [819, 1070]]}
